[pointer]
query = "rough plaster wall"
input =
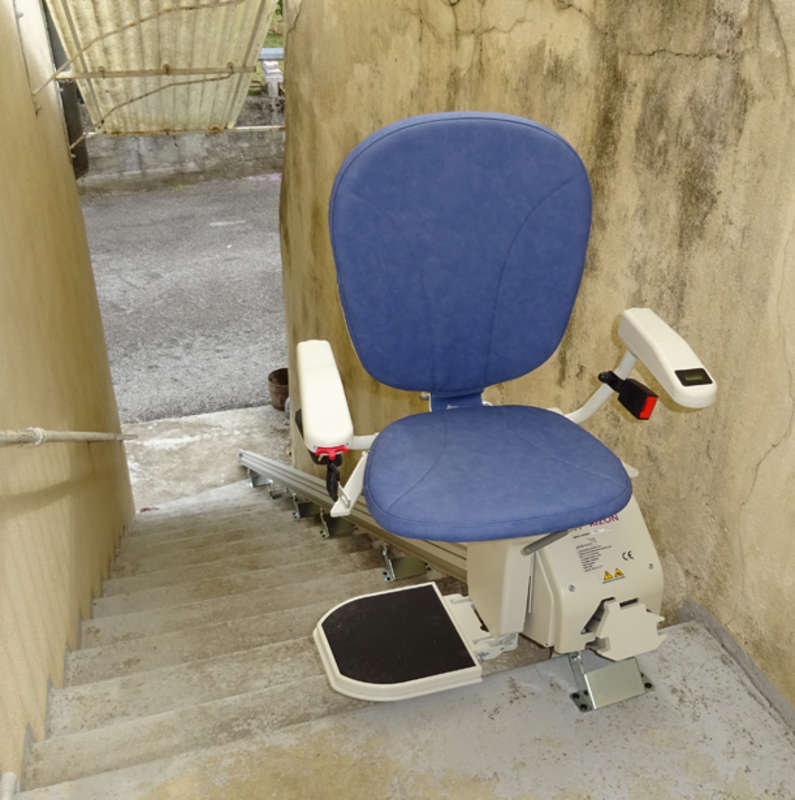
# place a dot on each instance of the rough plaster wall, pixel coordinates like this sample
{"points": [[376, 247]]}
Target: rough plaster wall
{"points": [[62, 506], [683, 114]]}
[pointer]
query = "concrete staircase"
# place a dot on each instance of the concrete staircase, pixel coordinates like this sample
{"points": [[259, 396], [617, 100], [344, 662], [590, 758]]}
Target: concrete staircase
{"points": [[200, 649]]}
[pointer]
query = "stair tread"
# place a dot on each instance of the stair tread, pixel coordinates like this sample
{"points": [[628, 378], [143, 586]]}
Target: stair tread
{"points": [[93, 705], [123, 657], [262, 520], [206, 505], [128, 564], [160, 739], [189, 644], [172, 732], [194, 773], [260, 559], [334, 588], [152, 524], [233, 583]]}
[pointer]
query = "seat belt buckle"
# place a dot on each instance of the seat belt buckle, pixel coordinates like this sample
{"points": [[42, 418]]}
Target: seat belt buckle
{"points": [[636, 397]]}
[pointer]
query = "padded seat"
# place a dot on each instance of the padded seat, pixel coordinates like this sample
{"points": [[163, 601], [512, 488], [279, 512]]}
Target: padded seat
{"points": [[490, 472]]}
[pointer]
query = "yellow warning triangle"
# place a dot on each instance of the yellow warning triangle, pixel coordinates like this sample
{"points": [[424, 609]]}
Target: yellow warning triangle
{"points": [[619, 573], [607, 577]]}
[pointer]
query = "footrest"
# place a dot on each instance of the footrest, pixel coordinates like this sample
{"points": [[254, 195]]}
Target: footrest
{"points": [[394, 645]]}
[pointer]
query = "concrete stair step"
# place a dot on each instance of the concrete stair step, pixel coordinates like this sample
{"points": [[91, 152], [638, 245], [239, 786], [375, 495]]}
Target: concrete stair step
{"points": [[237, 543], [167, 734], [198, 515], [197, 732], [94, 705], [269, 557], [233, 583], [203, 641], [260, 521], [255, 766], [306, 529], [237, 495], [333, 588]]}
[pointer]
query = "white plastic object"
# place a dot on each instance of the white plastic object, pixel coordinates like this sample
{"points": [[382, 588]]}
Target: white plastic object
{"points": [[498, 579], [666, 353], [349, 494], [626, 631], [613, 558], [325, 416]]}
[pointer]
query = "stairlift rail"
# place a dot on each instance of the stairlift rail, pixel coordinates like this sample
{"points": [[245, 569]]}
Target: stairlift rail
{"points": [[39, 436], [448, 557]]}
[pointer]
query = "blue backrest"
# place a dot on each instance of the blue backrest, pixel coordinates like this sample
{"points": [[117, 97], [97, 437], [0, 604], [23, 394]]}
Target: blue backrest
{"points": [[459, 240]]}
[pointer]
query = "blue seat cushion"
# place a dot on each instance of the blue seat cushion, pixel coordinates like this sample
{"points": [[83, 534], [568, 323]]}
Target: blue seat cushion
{"points": [[490, 472]]}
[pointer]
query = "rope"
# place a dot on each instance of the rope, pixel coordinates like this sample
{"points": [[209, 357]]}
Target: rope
{"points": [[38, 436]]}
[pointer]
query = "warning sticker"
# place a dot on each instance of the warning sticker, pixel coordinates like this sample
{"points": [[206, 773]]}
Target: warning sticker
{"points": [[612, 576], [590, 552], [607, 577], [619, 573]]}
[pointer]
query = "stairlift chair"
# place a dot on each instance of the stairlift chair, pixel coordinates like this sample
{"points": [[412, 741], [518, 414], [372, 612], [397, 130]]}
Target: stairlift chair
{"points": [[459, 241]]}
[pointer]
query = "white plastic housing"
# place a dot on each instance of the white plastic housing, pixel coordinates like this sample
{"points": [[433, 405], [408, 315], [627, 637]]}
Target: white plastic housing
{"points": [[498, 579], [626, 631], [610, 559], [665, 352], [325, 416]]}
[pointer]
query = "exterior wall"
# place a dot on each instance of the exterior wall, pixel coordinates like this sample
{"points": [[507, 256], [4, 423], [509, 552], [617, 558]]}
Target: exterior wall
{"points": [[62, 506], [683, 113]]}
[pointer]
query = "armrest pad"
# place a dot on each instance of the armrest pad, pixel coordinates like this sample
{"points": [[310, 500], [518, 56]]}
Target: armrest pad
{"points": [[324, 409], [668, 357]]}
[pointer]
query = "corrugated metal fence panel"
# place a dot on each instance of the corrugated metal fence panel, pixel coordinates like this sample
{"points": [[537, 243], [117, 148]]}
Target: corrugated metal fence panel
{"points": [[168, 65]]}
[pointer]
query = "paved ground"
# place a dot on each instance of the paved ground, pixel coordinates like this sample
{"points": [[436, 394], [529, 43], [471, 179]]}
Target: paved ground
{"points": [[189, 283]]}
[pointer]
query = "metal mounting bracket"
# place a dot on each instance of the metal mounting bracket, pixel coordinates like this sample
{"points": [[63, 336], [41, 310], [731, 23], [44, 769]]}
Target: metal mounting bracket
{"points": [[256, 480], [334, 527], [397, 567], [303, 508], [597, 688]]}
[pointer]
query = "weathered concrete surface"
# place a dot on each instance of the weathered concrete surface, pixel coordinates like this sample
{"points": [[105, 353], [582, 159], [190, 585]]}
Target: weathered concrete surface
{"points": [[702, 733], [127, 162], [214, 678], [179, 457], [683, 114]]}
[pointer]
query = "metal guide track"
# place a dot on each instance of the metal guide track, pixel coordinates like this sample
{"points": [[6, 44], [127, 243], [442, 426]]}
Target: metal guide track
{"points": [[447, 557]]}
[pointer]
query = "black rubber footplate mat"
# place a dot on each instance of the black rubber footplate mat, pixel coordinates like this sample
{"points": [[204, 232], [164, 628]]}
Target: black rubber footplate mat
{"points": [[395, 636]]}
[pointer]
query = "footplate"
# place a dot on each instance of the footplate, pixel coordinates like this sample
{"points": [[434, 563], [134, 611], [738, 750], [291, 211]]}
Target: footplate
{"points": [[395, 645]]}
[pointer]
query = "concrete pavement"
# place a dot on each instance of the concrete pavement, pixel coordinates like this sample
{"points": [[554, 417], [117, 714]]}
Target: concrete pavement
{"points": [[190, 288]]}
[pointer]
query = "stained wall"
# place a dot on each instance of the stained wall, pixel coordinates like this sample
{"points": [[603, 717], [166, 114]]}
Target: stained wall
{"points": [[62, 506]]}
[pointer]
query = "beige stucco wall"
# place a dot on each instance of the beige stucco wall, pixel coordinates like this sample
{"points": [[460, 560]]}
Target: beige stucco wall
{"points": [[62, 506], [683, 113]]}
